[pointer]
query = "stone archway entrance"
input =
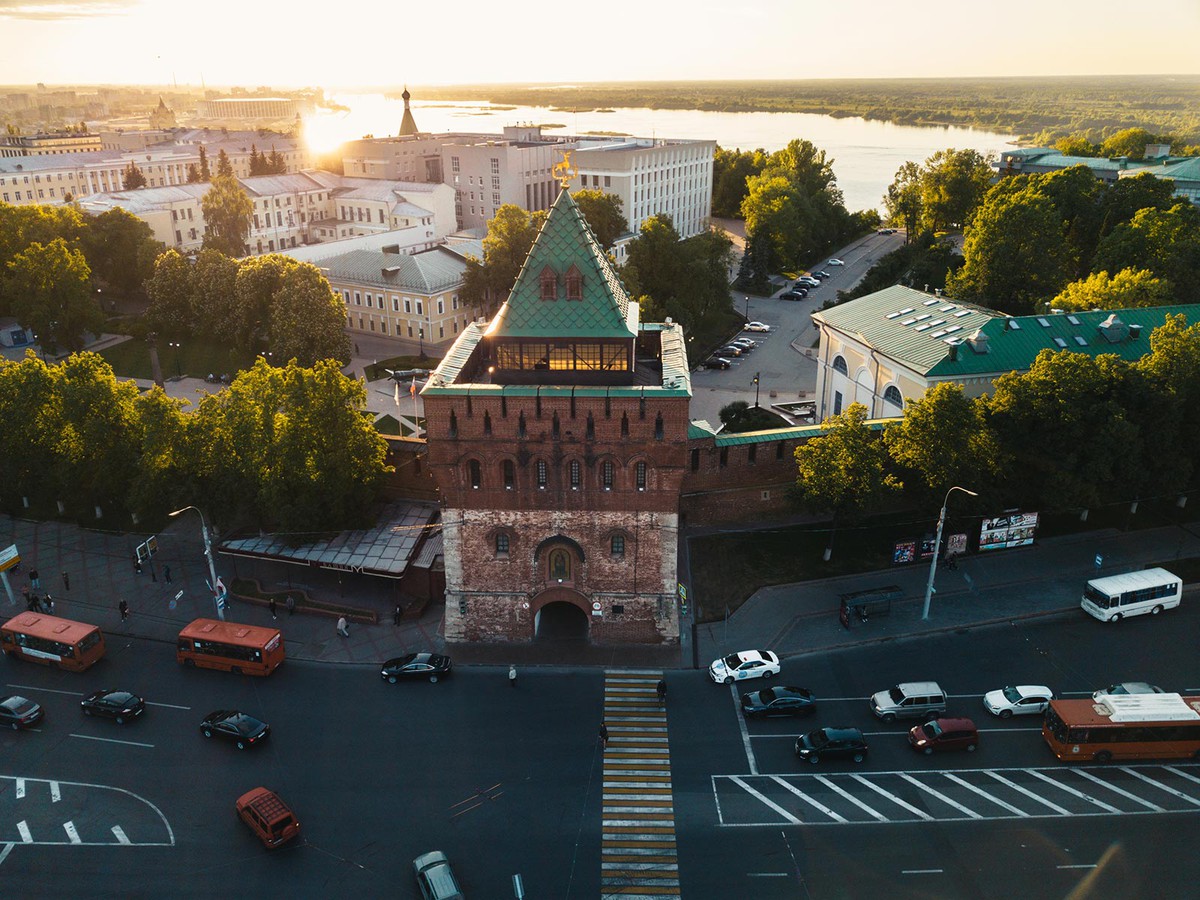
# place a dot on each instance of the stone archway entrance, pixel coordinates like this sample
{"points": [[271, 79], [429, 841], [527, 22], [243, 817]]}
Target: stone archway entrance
{"points": [[560, 615]]}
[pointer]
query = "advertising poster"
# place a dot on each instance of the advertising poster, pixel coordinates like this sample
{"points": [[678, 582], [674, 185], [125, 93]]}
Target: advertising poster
{"points": [[927, 547], [905, 553], [1004, 532], [956, 545]]}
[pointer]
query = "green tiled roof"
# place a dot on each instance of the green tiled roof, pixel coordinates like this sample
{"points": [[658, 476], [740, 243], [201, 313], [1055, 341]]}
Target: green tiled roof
{"points": [[783, 434], [565, 241], [1177, 169], [923, 333], [879, 320]]}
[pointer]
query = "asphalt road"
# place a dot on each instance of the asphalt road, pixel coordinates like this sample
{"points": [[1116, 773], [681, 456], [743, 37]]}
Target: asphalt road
{"points": [[513, 781], [784, 368]]}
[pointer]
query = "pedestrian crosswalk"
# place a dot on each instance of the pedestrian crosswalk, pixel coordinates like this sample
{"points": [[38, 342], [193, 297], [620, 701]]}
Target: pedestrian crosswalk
{"points": [[841, 798], [638, 857]]}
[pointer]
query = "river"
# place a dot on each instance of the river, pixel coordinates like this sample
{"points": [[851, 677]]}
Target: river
{"points": [[865, 154]]}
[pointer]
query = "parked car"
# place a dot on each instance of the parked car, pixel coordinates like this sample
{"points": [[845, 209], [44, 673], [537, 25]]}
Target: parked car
{"points": [[807, 281], [230, 725], [18, 712], [944, 734], [1021, 700], [416, 665], [119, 705], [778, 701], [756, 326], [268, 817], [822, 274], [1128, 687], [836, 262], [886, 231], [840, 741], [745, 343], [794, 294], [716, 362], [743, 665], [909, 700], [435, 877], [730, 350]]}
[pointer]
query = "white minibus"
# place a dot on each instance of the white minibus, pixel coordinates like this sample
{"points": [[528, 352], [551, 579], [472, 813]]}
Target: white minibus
{"points": [[1150, 591]]}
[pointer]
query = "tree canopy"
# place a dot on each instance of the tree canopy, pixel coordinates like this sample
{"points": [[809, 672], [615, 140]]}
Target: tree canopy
{"points": [[510, 234], [50, 286], [227, 211], [604, 215], [1128, 288]]}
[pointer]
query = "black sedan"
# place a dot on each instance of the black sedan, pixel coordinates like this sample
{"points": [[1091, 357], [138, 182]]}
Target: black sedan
{"points": [[17, 712], [119, 705], [416, 665], [716, 362], [832, 742], [779, 701], [794, 294], [243, 730]]}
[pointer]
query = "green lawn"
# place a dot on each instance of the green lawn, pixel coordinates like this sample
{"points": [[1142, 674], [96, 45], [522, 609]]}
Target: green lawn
{"points": [[195, 358]]}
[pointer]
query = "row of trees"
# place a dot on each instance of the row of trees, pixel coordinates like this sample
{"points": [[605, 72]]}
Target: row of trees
{"points": [[1120, 431], [1129, 142], [275, 299], [288, 448], [940, 194]]}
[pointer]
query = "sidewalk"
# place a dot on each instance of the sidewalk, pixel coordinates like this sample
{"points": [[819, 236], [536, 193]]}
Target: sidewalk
{"points": [[794, 619]]}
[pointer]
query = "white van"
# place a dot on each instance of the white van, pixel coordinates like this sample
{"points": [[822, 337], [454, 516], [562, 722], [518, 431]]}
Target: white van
{"points": [[1150, 591]]}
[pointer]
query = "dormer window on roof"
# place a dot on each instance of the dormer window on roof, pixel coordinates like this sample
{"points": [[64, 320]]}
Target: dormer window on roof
{"points": [[574, 283], [549, 284]]}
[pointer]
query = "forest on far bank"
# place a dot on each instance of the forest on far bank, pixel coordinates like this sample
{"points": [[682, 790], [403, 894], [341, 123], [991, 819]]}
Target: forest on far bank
{"points": [[1033, 108]]}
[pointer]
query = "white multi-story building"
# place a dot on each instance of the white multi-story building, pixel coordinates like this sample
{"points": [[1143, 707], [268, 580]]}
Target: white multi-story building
{"points": [[255, 108], [652, 177]]}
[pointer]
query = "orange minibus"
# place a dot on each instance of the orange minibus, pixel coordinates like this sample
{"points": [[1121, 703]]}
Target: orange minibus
{"points": [[232, 647], [52, 641]]}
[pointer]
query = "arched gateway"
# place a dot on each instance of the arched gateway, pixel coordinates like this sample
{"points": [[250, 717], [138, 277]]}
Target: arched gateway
{"points": [[560, 614]]}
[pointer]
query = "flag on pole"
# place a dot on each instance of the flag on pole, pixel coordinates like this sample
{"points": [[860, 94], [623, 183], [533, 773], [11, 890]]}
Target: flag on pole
{"points": [[412, 391], [397, 394]]}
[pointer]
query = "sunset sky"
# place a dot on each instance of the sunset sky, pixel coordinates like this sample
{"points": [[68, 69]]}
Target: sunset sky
{"points": [[371, 42]]}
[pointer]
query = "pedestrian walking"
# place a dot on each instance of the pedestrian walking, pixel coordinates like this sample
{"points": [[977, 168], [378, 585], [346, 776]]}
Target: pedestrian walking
{"points": [[512, 676], [603, 736], [34, 580], [49, 605], [662, 691], [271, 607], [397, 614], [137, 566], [167, 574], [33, 603], [25, 593], [66, 581], [341, 627], [124, 608], [291, 605]]}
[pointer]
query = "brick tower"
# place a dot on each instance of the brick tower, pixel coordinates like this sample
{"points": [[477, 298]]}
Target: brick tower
{"points": [[557, 436]]}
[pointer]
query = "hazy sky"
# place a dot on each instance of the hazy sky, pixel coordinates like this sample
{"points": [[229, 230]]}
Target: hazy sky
{"points": [[373, 42]]}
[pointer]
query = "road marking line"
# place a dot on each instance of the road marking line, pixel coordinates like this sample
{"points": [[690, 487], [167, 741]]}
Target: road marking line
{"points": [[750, 760], [1078, 866], [767, 874], [898, 801], [833, 787], [1071, 790], [168, 705], [30, 687], [1028, 793], [23, 830], [921, 871], [1182, 774], [119, 834], [88, 737], [1116, 790], [72, 833], [985, 795], [20, 788], [1158, 784], [772, 804], [55, 792], [922, 786], [5, 851], [803, 796]]}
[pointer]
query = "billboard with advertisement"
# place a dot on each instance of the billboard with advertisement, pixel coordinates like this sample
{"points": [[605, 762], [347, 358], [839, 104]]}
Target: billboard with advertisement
{"points": [[904, 553], [1009, 530]]}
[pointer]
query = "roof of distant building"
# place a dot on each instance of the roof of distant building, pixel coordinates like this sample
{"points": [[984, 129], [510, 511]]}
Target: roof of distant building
{"points": [[423, 273]]}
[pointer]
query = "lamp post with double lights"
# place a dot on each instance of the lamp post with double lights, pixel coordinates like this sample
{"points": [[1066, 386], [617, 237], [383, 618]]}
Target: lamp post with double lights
{"points": [[212, 569], [176, 347], [937, 546]]}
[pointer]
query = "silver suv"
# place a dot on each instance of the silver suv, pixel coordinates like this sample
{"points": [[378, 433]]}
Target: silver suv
{"points": [[909, 700]]}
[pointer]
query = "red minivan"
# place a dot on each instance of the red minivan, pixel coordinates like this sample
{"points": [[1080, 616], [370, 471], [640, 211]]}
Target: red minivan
{"points": [[944, 734]]}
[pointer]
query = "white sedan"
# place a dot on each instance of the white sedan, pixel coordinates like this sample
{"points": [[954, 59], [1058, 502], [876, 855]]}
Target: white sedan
{"points": [[1024, 699], [744, 665], [836, 262], [756, 326]]}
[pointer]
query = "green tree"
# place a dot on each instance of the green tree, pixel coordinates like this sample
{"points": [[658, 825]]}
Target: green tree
{"points": [[732, 169], [603, 213], [224, 166], [259, 279], [511, 233], [1130, 142], [944, 437], [193, 174], [1076, 145], [1167, 242], [32, 414], [1126, 196], [205, 174], [1078, 196], [161, 482], [214, 301], [687, 280], [172, 311], [51, 287], [121, 249], [275, 163], [904, 201], [308, 319], [1127, 289], [257, 163], [1015, 253], [227, 212], [132, 177], [953, 184], [844, 471], [774, 213], [739, 416], [1172, 370]]}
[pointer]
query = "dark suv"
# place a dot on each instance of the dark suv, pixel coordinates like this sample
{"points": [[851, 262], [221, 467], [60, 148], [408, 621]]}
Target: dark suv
{"points": [[841, 741], [944, 734]]}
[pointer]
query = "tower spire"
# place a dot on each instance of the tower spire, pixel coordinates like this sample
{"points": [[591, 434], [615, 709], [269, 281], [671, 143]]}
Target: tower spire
{"points": [[408, 125]]}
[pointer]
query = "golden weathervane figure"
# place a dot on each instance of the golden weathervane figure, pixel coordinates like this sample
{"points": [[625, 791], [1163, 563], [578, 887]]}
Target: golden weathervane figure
{"points": [[564, 171]]}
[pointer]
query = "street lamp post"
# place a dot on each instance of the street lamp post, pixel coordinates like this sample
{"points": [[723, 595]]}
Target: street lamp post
{"points": [[176, 346], [747, 308], [937, 546], [212, 569], [421, 338]]}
